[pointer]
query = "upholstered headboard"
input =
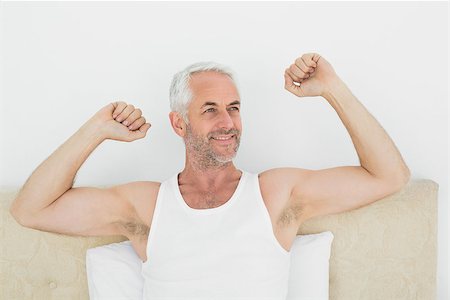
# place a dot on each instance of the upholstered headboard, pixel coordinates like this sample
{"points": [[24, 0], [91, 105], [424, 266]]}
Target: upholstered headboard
{"points": [[386, 250]]}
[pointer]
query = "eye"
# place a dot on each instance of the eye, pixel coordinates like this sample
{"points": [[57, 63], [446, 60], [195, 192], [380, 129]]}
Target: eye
{"points": [[234, 108], [210, 110]]}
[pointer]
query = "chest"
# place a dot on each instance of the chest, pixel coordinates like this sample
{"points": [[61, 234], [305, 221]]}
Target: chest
{"points": [[211, 198], [283, 215]]}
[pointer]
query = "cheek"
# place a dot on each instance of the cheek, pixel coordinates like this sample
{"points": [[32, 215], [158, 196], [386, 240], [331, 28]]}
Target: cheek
{"points": [[237, 122], [200, 131]]}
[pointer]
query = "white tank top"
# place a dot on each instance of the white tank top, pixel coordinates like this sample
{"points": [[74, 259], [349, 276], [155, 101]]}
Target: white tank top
{"points": [[227, 252]]}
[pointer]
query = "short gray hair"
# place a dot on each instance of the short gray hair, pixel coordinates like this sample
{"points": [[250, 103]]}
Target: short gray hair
{"points": [[180, 92]]}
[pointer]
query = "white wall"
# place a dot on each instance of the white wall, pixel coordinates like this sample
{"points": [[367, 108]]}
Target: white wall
{"points": [[64, 61]]}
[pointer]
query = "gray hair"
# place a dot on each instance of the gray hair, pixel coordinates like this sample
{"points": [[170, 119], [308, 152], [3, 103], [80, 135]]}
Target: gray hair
{"points": [[180, 92]]}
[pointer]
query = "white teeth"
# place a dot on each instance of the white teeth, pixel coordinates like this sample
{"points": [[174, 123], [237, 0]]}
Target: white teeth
{"points": [[223, 138]]}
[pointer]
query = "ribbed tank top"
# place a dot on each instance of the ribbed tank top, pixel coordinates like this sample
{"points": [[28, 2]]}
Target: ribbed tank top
{"points": [[227, 252]]}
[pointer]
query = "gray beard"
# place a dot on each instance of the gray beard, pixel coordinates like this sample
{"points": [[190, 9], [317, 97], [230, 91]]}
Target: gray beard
{"points": [[202, 152]]}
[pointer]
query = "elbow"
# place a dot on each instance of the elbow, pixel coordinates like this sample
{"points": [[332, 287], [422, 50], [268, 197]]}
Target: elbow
{"points": [[399, 181], [406, 176], [20, 215], [394, 182], [16, 214]]}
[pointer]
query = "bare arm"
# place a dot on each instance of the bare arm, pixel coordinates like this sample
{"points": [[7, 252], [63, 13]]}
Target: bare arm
{"points": [[377, 153], [55, 175], [382, 170], [47, 200]]}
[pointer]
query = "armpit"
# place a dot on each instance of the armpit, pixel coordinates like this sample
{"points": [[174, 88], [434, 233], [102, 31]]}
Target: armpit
{"points": [[135, 228], [290, 214]]}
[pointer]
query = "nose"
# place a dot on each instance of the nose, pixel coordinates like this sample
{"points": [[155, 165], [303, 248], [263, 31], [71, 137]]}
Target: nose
{"points": [[225, 120]]}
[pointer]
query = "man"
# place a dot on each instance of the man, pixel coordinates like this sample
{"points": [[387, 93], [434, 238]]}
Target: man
{"points": [[212, 230]]}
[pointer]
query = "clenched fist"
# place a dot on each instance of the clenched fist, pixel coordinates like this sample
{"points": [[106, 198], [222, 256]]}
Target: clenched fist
{"points": [[309, 75], [121, 122]]}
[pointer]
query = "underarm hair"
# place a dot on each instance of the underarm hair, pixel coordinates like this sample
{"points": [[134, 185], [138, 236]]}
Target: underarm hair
{"points": [[135, 228]]}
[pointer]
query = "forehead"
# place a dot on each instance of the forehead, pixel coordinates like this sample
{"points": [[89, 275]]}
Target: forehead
{"points": [[212, 86]]}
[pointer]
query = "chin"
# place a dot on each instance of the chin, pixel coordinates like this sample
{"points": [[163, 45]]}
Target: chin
{"points": [[225, 159]]}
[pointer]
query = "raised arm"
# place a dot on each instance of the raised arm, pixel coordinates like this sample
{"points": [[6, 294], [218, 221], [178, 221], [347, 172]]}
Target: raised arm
{"points": [[382, 170], [47, 200]]}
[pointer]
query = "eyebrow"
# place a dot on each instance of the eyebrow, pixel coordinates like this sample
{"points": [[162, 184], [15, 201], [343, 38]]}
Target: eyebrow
{"points": [[209, 103]]}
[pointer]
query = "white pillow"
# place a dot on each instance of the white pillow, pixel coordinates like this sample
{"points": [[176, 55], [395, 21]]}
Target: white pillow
{"points": [[114, 270], [309, 273]]}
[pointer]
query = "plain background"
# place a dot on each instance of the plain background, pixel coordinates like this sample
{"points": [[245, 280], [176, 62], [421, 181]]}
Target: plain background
{"points": [[61, 62]]}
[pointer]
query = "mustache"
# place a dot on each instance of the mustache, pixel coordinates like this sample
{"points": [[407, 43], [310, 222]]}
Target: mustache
{"points": [[224, 132]]}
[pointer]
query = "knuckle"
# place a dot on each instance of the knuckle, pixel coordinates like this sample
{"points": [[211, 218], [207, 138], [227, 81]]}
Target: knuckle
{"points": [[138, 122], [119, 108], [133, 116]]}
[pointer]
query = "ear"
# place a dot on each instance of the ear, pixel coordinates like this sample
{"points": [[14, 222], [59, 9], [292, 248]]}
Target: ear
{"points": [[177, 123]]}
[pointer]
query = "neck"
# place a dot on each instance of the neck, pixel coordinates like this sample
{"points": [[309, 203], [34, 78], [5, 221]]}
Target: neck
{"points": [[206, 177]]}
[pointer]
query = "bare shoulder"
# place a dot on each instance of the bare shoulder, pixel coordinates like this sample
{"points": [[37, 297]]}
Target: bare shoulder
{"points": [[282, 178], [276, 188], [141, 199]]}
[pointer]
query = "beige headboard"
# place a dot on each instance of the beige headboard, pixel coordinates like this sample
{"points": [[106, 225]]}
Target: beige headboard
{"points": [[386, 250]]}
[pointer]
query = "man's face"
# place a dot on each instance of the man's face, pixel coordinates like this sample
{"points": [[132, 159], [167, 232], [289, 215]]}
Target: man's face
{"points": [[214, 129]]}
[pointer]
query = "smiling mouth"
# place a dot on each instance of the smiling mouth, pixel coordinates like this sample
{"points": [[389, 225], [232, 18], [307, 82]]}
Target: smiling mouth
{"points": [[223, 138]]}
